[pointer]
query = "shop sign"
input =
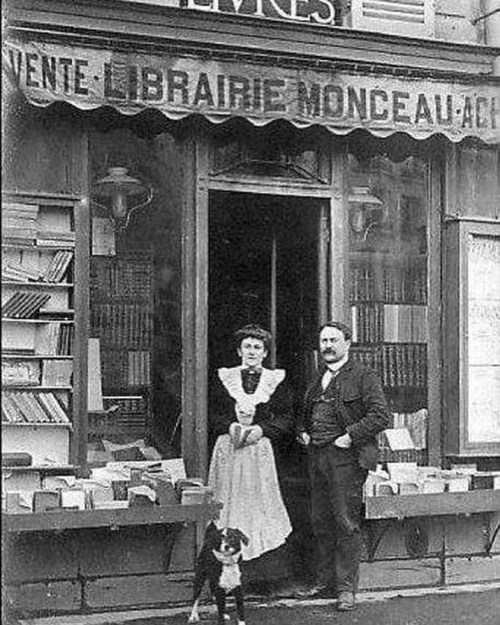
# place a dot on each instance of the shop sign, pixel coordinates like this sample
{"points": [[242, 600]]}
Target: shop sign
{"points": [[179, 87], [313, 11]]}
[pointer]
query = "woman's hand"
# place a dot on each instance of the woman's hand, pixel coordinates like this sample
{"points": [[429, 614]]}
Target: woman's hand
{"points": [[254, 435]]}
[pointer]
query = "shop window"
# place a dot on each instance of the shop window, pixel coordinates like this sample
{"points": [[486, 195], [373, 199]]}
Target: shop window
{"points": [[387, 216], [135, 304], [472, 339]]}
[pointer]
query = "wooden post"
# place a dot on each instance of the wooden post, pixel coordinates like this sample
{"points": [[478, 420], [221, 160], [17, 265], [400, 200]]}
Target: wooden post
{"points": [[323, 237], [274, 297], [435, 314], [195, 303], [339, 241]]}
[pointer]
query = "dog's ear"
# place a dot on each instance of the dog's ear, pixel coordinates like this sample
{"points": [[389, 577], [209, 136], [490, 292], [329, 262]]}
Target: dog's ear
{"points": [[244, 539], [211, 532]]}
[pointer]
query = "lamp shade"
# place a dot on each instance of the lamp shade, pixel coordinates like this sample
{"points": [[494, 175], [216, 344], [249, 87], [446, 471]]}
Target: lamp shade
{"points": [[362, 195], [117, 181]]}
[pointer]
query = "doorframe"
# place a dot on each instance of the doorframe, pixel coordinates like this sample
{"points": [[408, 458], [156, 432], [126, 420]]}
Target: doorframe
{"points": [[197, 184]]}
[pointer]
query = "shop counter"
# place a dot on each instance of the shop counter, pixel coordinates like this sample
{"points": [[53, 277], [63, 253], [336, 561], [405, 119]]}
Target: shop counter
{"points": [[73, 519], [432, 504]]}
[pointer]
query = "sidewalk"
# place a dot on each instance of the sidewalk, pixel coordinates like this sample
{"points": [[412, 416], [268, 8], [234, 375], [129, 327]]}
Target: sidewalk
{"points": [[477, 604]]}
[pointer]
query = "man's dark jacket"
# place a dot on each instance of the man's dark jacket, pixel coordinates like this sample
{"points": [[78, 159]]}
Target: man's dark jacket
{"points": [[362, 404]]}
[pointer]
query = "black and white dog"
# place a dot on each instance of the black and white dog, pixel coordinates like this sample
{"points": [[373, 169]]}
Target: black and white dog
{"points": [[218, 563]]}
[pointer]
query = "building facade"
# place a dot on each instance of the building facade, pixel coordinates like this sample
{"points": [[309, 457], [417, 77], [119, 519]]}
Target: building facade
{"points": [[303, 162]]}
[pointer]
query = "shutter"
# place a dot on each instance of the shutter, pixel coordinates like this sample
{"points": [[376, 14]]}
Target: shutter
{"points": [[413, 18]]}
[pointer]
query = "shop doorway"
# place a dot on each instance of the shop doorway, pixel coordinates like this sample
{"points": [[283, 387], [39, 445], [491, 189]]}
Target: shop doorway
{"points": [[265, 256], [263, 268]]}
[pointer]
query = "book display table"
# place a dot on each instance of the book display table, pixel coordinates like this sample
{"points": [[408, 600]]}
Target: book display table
{"points": [[432, 504], [79, 561], [114, 519]]}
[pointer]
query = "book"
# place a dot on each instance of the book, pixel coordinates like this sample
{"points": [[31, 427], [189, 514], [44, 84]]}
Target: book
{"points": [[47, 338], [10, 409], [55, 410], [58, 266], [57, 372], [14, 304], [22, 408], [32, 305], [36, 409], [20, 372]]}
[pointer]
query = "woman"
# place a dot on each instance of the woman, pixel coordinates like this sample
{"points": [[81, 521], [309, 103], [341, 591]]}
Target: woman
{"points": [[251, 410]]}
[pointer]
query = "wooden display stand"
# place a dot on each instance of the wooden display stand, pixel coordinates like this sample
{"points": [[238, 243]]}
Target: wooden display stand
{"points": [[41, 380]]}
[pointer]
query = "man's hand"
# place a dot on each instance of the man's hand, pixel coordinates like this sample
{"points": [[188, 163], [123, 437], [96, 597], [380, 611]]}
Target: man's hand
{"points": [[344, 441], [304, 438]]}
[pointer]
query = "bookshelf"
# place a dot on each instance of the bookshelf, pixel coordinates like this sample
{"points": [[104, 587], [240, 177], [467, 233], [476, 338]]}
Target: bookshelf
{"points": [[38, 326], [388, 289]]}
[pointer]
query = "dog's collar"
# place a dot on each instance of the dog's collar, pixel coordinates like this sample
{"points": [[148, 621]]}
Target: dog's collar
{"points": [[231, 574], [226, 560]]}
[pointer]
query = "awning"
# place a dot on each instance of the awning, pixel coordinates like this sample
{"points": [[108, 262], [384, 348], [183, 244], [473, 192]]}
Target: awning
{"points": [[180, 86]]}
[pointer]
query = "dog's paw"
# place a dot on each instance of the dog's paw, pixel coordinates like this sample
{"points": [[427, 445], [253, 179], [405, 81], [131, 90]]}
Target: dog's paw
{"points": [[194, 618], [227, 617]]}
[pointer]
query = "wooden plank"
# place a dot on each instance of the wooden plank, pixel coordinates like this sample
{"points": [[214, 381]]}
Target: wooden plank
{"points": [[184, 552], [392, 534], [400, 574], [401, 506], [51, 596], [130, 551], [465, 535], [36, 557], [232, 32], [476, 569], [269, 186], [67, 519], [135, 590]]}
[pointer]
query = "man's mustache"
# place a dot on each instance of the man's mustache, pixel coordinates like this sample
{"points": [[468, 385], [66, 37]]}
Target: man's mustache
{"points": [[328, 350]]}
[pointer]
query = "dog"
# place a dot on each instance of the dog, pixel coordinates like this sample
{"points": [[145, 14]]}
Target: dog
{"points": [[218, 563]]}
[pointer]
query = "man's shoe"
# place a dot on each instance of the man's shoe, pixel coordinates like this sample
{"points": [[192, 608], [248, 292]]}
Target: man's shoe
{"points": [[346, 602], [319, 590]]}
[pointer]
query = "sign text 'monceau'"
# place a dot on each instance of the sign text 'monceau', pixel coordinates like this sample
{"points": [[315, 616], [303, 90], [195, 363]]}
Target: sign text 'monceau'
{"points": [[180, 86]]}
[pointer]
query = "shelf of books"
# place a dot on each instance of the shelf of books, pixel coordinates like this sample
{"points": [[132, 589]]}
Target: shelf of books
{"points": [[389, 322], [38, 329], [121, 316]]}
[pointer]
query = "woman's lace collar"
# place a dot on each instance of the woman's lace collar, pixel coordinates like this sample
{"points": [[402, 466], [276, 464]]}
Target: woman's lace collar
{"points": [[269, 380]]}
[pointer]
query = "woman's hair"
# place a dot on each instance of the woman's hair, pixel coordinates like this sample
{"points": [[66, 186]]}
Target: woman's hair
{"points": [[255, 332]]}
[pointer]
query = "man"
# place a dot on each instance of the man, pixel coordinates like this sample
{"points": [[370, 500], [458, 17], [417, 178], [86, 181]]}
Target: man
{"points": [[344, 409]]}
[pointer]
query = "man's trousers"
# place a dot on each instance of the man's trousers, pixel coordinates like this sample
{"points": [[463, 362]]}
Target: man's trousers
{"points": [[336, 498]]}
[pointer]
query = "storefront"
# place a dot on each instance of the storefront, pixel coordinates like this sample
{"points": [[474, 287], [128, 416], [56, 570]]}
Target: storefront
{"points": [[277, 188]]}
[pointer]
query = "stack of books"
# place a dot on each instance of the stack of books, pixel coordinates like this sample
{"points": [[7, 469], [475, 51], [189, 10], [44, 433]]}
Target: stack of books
{"points": [[24, 305], [19, 223]]}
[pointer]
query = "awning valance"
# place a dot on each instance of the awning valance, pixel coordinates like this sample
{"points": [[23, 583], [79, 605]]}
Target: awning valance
{"points": [[180, 86]]}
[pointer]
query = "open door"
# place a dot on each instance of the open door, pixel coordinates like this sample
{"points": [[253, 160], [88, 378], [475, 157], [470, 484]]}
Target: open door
{"points": [[264, 258]]}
